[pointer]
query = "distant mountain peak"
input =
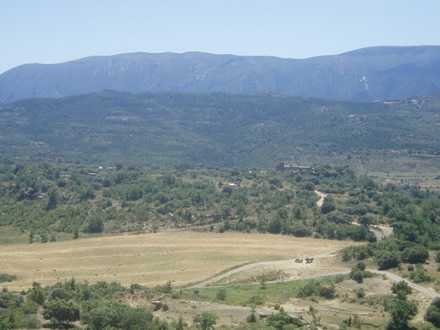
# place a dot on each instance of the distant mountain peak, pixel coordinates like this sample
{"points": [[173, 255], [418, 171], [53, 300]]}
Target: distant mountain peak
{"points": [[392, 72]]}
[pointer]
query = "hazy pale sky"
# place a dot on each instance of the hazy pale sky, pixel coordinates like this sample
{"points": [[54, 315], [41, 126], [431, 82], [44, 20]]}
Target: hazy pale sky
{"points": [[53, 31]]}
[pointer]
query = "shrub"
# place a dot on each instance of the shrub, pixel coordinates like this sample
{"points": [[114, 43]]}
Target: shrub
{"points": [[433, 313], [255, 301], [360, 293], [387, 259], [221, 294], [415, 255], [7, 277], [300, 231], [358, 276], [282, 319], [328, 292]]}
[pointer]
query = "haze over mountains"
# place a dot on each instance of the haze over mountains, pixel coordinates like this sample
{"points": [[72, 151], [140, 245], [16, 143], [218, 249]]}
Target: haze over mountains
{"points": [[377, 73]]}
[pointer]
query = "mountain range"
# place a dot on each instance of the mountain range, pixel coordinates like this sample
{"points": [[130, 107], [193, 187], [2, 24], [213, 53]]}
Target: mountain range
{"points": [[376, 73]]}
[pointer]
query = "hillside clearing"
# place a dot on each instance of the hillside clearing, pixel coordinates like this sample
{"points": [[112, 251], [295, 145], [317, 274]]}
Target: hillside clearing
{"points": [[151, 259]]}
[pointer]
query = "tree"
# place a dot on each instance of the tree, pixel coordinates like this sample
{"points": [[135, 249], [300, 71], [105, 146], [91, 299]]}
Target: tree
{"points": [[366, 220], [328, 205], [415, 255], [388, 259], [300, 231], [221, 294], [53, 200], [401, 313], [37, 295], [401, 289], [357, 272], [5, 324], [338, 217], [206, 320], [60, 311], [95, 224], [433, 313], [282, 319]]}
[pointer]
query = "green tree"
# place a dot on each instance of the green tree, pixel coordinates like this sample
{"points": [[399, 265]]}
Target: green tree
{"points": [[415, 255], [401, 289], [387, 259], [60, 311], [282, 319], [37, 295], [206, 320], [5, 324], [401, 313], [221, 294], [433, 313], [95, 224], [53, 200], [328, 205]]}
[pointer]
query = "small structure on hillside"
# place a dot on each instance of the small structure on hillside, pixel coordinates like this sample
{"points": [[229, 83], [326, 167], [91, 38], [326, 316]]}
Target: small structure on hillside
{"points": [[285, 166]]}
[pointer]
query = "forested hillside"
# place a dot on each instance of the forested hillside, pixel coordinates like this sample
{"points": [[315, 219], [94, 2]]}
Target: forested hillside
{"points": [[43, 201], [167, 129], [376, 73]]}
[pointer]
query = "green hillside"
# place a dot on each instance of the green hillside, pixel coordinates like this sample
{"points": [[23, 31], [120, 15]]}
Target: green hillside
{"points": [[166, 129]]}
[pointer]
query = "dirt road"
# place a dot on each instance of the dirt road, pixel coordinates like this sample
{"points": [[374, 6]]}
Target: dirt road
{"points": [[321, 198], [255, 265], [393, 277], [396, 278]]}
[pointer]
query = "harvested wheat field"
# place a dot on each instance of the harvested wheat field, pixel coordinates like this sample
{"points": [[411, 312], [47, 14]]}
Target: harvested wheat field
{"points": [[151, 259]]}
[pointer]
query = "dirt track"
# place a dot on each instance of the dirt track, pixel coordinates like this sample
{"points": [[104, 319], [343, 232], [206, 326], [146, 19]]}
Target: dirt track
{"points": [[277, 264], [280, 264]]}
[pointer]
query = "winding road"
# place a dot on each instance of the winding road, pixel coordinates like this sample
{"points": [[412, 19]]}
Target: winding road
{"points": [[379, 231], [393, 277]]}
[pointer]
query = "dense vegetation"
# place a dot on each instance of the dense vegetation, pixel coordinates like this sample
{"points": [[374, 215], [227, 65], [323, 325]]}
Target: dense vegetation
{"points": [[43, 201], [221, 130]]}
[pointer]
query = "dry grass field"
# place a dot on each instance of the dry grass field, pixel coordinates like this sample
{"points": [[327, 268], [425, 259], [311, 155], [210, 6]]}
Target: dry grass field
{"points": [[151, 259]]}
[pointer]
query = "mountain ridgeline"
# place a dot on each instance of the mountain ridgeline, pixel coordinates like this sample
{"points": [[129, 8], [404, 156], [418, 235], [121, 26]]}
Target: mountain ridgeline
{"points": [[377, 73], [167, 129]]}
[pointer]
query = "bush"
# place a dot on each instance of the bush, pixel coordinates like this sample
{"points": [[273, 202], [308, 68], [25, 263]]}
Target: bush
{"points": [[251, 318], [221, 294], [433, 313], [300, 231], [387, 259], [415, 255], [360, 293], [357, 276], [7, 277], [166, 288], [328, 292], [420, 275], [314, 288], [282, 319], [206, 321]]}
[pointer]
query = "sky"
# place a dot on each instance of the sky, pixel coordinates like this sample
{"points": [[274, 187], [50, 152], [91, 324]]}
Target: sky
{"points": [[54, 31]]}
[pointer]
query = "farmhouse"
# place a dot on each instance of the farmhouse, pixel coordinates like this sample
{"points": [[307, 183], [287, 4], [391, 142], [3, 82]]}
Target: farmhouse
{"points": [[284, 166]]}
